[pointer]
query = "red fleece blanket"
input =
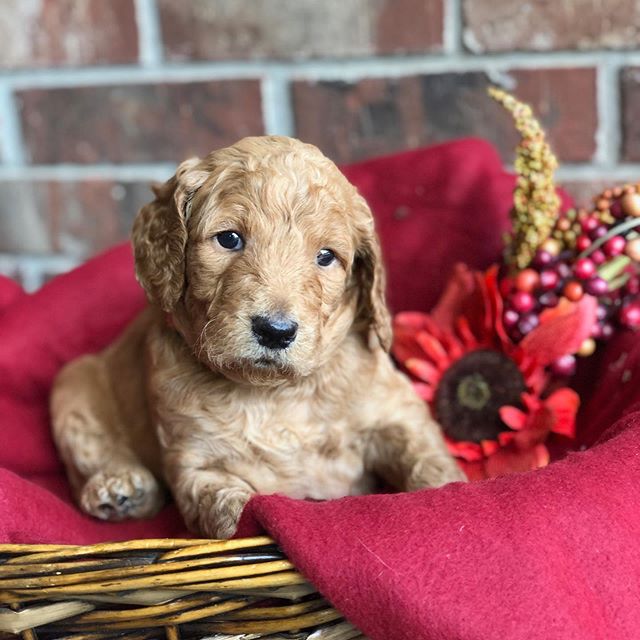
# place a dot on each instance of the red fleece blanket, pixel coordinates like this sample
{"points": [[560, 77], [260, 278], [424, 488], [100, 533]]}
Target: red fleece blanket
{"points": [[547, 554]]}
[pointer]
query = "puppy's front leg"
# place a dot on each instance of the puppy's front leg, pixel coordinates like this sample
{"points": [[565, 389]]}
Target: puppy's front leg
{"points": [[94, 438], [406, 447], [210, 501], [409, 453]]}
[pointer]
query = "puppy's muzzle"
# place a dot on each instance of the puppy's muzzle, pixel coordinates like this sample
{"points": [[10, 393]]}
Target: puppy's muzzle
{"points": [[274, 332]]}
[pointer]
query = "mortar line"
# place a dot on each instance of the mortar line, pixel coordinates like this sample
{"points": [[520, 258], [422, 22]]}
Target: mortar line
{"points": [[162, 171], [608, 134], [150, 51], [588, 173], [277, 110], [32, 268], [11, 143], [46, 260], [74, 172], [347, 70], [452, 27]]}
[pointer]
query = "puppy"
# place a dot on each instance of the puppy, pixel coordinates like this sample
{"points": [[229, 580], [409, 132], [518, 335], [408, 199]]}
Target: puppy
{"points": [[262, 363]]}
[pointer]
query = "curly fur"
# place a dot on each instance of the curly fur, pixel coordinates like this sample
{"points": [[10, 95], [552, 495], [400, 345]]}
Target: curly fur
{"points": [[197, 403]]}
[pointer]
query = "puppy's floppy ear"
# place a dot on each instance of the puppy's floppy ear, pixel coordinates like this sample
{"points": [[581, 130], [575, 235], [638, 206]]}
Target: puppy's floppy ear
{"points": [[372, 310], [160, 235]]}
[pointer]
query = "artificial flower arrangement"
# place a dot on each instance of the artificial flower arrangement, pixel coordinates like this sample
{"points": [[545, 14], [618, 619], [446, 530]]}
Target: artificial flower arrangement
{"points": [[494, 356]]}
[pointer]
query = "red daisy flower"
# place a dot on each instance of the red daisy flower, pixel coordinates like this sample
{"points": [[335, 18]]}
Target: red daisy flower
{"points": [[492, 396]]}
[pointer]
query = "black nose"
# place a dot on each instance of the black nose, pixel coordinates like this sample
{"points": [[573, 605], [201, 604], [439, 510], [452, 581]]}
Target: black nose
{"points": [[276, 332]]}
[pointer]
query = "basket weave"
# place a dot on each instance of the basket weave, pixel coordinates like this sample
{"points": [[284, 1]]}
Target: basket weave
{"points": [[142, 589]]}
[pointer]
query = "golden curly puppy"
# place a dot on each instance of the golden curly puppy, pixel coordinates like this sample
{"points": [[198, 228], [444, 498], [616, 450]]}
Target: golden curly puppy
{"points": [[261, 365]]}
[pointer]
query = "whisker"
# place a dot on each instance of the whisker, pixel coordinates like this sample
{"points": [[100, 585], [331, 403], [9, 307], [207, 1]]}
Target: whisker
{"points": [[200, 344]]}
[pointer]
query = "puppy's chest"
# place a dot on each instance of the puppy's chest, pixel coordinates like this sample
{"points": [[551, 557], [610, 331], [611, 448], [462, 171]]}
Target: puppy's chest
{"points": [[298, 428], [302, 447]]}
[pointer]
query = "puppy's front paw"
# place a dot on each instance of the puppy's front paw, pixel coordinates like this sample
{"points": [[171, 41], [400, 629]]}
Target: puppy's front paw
{"points": [[434, 472], [125, 492], [220, 510]]}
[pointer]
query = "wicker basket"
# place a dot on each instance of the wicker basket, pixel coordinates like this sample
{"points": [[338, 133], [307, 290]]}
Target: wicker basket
{"points": [[142, 589]]}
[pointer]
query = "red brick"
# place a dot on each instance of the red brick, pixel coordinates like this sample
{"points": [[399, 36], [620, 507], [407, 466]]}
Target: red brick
{"points": [[72, 218], [134, 123], [409, 26], [228, 29], [377, 116], [630, 93], [67, 33], [504, 25]]}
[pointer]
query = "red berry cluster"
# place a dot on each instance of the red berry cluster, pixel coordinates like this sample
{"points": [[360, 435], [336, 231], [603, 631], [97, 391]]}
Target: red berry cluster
{"points": [[588, 252]]}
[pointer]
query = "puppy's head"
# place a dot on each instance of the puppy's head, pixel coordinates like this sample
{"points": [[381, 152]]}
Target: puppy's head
{"points": [[266, 257]]}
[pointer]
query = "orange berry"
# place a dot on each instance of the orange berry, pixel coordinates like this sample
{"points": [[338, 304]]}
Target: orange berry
{"points": [[573, 291], [631, 204], [633, 249], [527, 280]]}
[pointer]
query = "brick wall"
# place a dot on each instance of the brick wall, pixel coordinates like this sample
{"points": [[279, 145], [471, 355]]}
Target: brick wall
{"points": [[99, 98]]}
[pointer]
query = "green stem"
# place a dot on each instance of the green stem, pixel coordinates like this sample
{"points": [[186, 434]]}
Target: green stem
{"points": [[618, 282], [613, 268], [621, 228]]}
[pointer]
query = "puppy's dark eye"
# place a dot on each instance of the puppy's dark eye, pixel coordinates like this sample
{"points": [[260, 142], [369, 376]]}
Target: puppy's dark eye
{"points": [[325, 257], [230, 240]]}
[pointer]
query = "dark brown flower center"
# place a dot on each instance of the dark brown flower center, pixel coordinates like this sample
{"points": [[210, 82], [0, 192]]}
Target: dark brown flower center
{"points": [[471, 392]]}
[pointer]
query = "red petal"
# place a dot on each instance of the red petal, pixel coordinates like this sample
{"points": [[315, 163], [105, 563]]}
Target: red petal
{"points": [[531, 402], [405, 347], [489, 447], [434, 349], [512, 461], [469, 451], [454, 347], [506, 438], [535, 375], [478, 310], [425, 391], [564, 404], [530, 437], [414, 323], [473, 470], [423, 370], [487, 316], [463, 329], [458, 288], [411, 320], [404, 350], [542, 456], [493, 290], [513, 417], [562, 330]]}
